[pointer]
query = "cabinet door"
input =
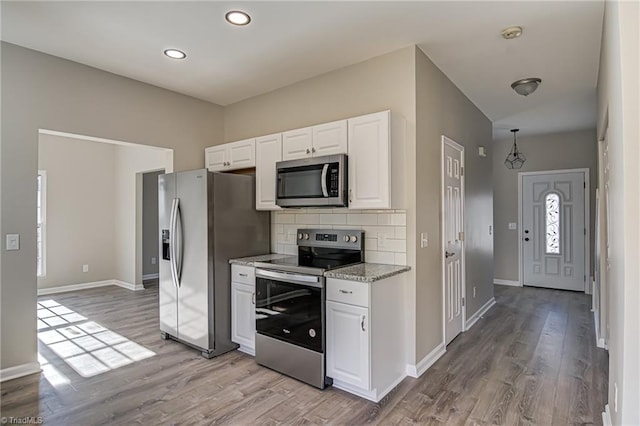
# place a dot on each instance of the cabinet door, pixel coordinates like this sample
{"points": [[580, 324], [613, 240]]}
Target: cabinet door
{"points": [[348, 357], [330, 138], [242, 154], [268, 152], [370, 161], [243, 316], [296, 144], [216, 158]]}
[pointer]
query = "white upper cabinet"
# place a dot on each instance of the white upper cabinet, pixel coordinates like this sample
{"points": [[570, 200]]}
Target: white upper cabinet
{"points": [[329, 138], [323, 139], [370, 161], [296, 144], [268, 152], [231, 156]]}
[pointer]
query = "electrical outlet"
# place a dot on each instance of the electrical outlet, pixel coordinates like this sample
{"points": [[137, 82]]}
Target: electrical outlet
{"points": [[513, 225], [13, 242], [153, 260], [85, 268], [382, 239], [474, 291]]}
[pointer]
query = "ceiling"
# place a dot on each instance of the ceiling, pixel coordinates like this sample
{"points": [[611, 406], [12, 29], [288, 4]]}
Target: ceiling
{"points": [[291, 41]]}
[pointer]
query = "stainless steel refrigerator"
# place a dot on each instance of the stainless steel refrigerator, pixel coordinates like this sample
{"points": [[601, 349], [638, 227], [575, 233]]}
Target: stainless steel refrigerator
{"points": [[205, 219]]}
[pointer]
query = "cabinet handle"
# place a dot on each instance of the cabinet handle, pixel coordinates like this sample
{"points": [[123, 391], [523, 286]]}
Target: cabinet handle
{"points": [[253, 298], [308, 152], [362, 323], [242, 275], [346, 291], [313, 150], [350, 195]]}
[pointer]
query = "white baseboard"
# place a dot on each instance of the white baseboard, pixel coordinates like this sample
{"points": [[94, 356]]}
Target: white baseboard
{"points": [[606, 416], [84, 286], [506, 282], [371, 395], [151, 276], [426, 362], [19, 371], [247, 350], [74, 287], [479, 313], [596, 325], [128, 286]]}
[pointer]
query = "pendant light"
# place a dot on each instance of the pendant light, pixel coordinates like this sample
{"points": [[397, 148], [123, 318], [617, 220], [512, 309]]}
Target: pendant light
{"points": [[515, 159]]}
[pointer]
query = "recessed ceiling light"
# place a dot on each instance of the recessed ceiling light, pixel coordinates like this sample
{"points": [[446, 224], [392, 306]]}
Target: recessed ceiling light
{"points": [[237, 17], [511, 32], [175, 54]]}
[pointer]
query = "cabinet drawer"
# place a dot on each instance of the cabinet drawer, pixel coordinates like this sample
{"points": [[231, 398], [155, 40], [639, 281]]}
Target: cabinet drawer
{"points": [[243, 274], [351, 292]]}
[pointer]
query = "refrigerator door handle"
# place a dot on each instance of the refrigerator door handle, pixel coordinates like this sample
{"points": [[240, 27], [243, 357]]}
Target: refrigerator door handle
{"points": [[323, 180], [179, 243], [172, 241]]}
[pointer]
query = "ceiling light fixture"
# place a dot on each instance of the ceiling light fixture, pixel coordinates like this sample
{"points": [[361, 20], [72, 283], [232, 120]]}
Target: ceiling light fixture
{"points": [[515, 159], [526, 86], [175, 53], [237, 17], [511, 32]]}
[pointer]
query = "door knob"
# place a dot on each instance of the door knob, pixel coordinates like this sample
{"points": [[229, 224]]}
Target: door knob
{"points": [[448, 254], [526, 239]]}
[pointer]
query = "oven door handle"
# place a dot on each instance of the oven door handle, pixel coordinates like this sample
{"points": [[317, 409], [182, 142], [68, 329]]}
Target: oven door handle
{"points": [[309, 280]]}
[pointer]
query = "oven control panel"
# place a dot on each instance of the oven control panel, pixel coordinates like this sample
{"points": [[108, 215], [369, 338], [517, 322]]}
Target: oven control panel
{"points": [[344, 238]]}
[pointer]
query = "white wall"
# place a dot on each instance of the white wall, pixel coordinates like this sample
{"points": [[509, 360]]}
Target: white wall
{"points": [[130, 165], [79, 211], [618, 112]]}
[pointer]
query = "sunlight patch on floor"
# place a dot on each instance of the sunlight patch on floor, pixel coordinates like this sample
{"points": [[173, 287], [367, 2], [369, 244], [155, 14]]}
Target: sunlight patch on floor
{"points": [[86, 346]]}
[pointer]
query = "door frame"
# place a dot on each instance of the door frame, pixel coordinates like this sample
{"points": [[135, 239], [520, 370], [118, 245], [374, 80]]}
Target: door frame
{"points": [[587, 223], [447, 141]]}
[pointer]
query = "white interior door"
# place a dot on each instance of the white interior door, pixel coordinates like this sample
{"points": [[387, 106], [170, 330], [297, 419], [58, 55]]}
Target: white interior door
{"points": [[553, 230], [453, 225]]}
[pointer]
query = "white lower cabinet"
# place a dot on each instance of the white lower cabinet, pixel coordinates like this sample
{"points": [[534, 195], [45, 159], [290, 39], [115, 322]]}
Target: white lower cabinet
{"points": [[348, 338], [365, 346], [243, 309]]}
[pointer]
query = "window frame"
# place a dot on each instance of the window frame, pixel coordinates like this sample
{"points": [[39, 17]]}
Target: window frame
{"points": [[558, 224], [41, 222]]}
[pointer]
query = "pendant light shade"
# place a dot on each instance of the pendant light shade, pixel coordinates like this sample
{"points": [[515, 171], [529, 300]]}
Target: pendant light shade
{"points": [[515, 159]]}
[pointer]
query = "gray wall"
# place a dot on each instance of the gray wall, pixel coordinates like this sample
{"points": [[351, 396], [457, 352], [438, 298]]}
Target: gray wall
{"points": [[150, 222], [442, 109], [42, 91], [567, 150], [80, 223]]}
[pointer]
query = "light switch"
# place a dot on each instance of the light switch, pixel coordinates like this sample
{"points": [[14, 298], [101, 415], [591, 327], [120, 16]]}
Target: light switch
{"points": [[13, 241], [513, 225], [424, 240]]}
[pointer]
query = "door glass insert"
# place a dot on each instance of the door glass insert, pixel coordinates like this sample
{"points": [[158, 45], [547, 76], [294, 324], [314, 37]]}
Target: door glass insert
{"points": [[552, 223]]}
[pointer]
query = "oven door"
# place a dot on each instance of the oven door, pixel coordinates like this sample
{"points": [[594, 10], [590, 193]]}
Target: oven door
{"points": [[290, 307]]}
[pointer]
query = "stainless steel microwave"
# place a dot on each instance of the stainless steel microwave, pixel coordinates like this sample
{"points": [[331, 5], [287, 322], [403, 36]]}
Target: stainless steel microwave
{"points": [[312, 182]]}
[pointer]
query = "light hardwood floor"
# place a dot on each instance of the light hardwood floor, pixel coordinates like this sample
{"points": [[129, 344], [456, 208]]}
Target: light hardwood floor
{"points": [[532, 359]]}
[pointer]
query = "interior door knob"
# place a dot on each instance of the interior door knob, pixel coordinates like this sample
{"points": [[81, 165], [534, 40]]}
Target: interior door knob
{"points": [[526, 239]]}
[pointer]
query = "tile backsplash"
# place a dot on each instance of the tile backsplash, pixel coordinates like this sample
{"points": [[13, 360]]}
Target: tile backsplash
{"points": [[385, 231]]}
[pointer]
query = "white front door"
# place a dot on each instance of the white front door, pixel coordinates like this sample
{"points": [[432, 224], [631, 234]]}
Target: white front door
{"points": [[453, 225], [553, 230]]}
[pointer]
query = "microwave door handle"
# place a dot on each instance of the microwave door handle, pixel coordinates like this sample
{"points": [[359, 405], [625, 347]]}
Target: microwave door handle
{"points": [[323, 180]]}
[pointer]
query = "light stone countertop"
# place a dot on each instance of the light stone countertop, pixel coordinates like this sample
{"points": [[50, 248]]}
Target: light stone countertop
{"points": [[249, 261], [366, 272]]}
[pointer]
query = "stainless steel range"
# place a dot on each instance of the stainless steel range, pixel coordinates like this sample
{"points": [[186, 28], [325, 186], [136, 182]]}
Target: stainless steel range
{"points": [[290, 302]]}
